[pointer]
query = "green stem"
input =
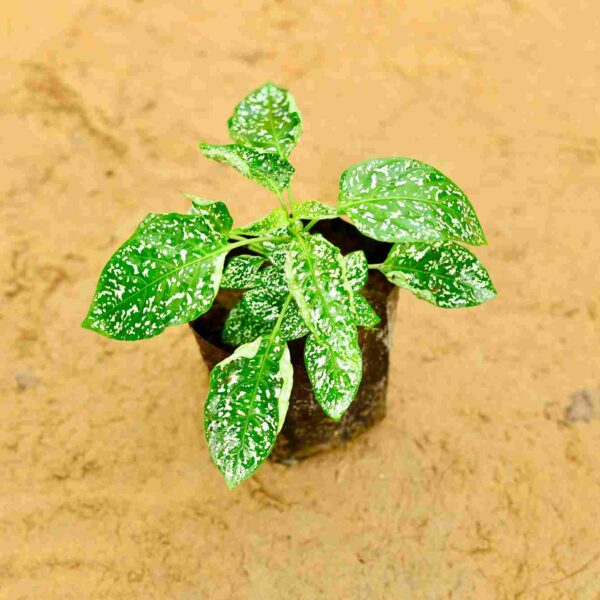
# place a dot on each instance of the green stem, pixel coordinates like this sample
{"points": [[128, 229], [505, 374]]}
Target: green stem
{"points": [[252, 246], [282, 313], [310, 225], [258, 240], [257, 250], [375, 265], [235, 236], [283, 204], [290, 196]]}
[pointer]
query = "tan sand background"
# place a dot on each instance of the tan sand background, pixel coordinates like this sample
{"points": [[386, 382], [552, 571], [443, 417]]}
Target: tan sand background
{"points": [[477, 485]]}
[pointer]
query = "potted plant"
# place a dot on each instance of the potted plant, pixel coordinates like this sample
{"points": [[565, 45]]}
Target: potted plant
{"points": [[285, 283]]}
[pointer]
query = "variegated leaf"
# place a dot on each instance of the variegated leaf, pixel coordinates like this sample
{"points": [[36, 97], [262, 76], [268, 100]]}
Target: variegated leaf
{"points": [[276, 250], [405, 200], [365, 314], [357, 273], [335, 373], [444, 274], [257, 312], [269, 170], [254, 315], [267, 120], [273, 281], [215, 213], [275, 220], [246, 405], [241, 271], [247, 320], [293, 326], [313, 209], [166, 273], [316, 278], [357, 269]]}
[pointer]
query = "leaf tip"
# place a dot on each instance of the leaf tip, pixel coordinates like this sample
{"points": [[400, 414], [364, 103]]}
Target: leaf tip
{"points": [[482, 240], [232, 483], [335, 417], [90, 326]]}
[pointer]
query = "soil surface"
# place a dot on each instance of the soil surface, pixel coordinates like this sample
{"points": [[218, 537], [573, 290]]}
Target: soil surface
{"points": [[483, 482]]}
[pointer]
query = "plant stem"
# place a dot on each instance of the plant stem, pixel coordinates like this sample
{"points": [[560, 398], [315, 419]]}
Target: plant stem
{"points": [[375, 265], [290, 196], [310, 225], [283, 204], [282, 313], [258, 240]]}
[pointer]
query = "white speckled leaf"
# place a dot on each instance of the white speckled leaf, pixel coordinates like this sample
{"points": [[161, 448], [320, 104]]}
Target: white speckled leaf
{"points": [[273, 281], [276, 250], [334, 373], [241, 271], [286, 372], [313, 209], [246, 405], [166, 273], [275, 220], [365, 314], [257, 312], [444, 274], [215, 213], [293, 327], [357, 269], [269, 170], [316, 278], [254, 315], [267, 120], [248, 319], [405, 200]]}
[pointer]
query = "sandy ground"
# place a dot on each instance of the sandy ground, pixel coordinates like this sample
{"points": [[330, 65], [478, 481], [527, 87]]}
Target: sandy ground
{"points": [[480, 484]]}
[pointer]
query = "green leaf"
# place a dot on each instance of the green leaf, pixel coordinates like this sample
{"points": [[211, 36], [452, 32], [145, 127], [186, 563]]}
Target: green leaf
{"points": [[246, 406], [444, 273], [335, 374], [257, 312], [215, 213], [267, 120], [247, 320], [256, 315], [275, 220], [315, 273], [293, 326], [166, 273], [313, 209], [269, 170], [241, 271], [365, 314], [276, 250], [357, 269], [357, 273], [405, 200]]}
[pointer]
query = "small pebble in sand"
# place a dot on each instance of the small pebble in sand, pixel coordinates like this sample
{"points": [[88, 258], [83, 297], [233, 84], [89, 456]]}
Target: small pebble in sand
{"points": [[26, 378], [585, 406]]}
